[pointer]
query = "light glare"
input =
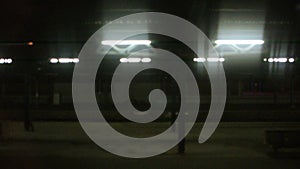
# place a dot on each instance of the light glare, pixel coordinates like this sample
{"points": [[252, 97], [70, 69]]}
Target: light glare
{"points": [[270, 60], [146, 60], [282, 60], [6, 61], [123, 60], [126, 42], [212, 59], [53, 60], [135, 60], [279, 60], [239, 42], [291, 60], [209, 60], [64, 60], [199, 59], [221, 59]]}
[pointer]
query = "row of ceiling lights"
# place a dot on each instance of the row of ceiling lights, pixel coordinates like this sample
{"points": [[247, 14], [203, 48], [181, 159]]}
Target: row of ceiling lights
{"points": [[209, 60], [64, 60], [147, 60], [6, 60], [279, 60]]}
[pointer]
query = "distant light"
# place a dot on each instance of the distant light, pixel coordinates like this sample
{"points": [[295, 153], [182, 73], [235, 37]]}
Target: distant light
{"points": [[199, 59], [135, 60], [6, 60], [239, 42], [282, 60], [270, 60], [64, 60], [146, 60], [9, 61], [126, 42], [75, 60], [123, 60], [30, 43], [291, 60], [53, 60], [265, 59], [213, 59], [221, 59], [209, 59]]}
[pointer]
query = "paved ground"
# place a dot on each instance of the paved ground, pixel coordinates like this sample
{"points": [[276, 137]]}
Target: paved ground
{"points": [[64, 145]]}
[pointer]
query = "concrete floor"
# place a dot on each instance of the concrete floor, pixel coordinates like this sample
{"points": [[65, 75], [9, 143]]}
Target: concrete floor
{"points": [[64, 145]]}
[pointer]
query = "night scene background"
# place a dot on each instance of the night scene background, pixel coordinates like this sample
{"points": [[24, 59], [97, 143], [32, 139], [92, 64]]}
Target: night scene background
{"points": [[39, 45]]}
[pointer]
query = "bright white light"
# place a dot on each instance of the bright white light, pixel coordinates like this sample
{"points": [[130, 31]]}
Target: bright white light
{"points": [[134, 60], [6, 61], [221, 59], [53, 60], [291, 60], [270, 60], [65, 60], [209, 59], [123, 60], [265, 59], [282, 60], [146, 60], [75, 60], [126, 42], [212, 59], [199, 59], [239, 42], [9, 61]]}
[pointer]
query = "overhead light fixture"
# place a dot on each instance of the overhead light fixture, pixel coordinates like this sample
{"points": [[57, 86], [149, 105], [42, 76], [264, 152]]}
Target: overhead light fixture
{"points": [[135, 60], [64, 60], [75, 60], [123, 60], [146, 60], [215, 59], [282, 60], [279, 60], [199, 59], [209, 60], [291, 60], [270, 60], [6, 61], [125, 42], [239, 42], [221, 59], [212, 59], [53, 60]]}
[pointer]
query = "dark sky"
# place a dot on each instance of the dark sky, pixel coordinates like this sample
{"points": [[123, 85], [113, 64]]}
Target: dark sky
{"points": [[32, 19], [55, 21], [29, 19]]}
